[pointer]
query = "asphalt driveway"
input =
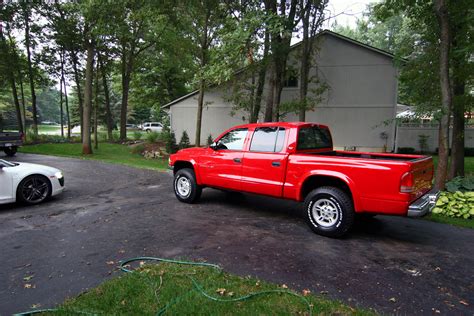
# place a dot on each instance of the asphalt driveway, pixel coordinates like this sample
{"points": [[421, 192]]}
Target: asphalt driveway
{"points": [[110, 212]]}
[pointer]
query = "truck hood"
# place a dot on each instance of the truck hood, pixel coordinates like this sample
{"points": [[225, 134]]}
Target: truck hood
{"points": [[193, 150]]}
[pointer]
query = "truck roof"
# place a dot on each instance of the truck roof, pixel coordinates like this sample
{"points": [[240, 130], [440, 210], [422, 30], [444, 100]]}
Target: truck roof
{"points": [[282, 124]]}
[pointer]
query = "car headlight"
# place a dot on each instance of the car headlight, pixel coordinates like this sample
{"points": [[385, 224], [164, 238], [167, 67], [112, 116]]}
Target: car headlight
{"points": [[58, 174]]}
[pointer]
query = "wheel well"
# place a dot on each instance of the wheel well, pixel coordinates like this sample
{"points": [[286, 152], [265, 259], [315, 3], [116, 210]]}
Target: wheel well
{"points": [[314, 182], [181, 165], [50, 184]]}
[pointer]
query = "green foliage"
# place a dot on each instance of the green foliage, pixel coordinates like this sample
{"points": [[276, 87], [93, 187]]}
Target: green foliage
{"points": [[406, 150], [210, 140], [51, 139], [137, 135], [462, 184], [171, 146], [152, 137], [184, 141], [138, 149], [457, 204]]}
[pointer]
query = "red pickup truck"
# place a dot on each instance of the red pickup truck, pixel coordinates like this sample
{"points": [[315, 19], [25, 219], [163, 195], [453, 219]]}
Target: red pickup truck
{"points": [[297, 161]]}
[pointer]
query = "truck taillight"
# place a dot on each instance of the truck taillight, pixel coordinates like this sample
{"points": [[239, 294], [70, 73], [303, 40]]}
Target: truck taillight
{"points": [[22, 136], [406, 183]]}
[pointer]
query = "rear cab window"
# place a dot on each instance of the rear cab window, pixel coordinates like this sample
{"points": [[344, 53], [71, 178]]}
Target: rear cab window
{"points": [[313, 137], [268, 139]]}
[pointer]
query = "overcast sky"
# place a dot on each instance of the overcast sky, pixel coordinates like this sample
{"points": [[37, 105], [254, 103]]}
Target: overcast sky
{"points": [[351, 11]]}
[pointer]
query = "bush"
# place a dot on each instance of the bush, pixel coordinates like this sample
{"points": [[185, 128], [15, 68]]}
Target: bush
{"points": [[138, 149], [462, 184], [406, 150], [456, 204], [152, 137], [171, 146], [210, 140], [137, 135], [469, 152], [184, 142]]}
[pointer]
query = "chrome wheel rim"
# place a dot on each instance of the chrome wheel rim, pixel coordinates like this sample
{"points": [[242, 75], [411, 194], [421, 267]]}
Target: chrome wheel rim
{"points": [[35, 190], [325, 212], [183, 186]]}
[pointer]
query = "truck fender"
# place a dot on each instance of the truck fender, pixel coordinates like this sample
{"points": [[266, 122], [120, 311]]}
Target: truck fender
{"points": [[337, 175], [195, 167]]}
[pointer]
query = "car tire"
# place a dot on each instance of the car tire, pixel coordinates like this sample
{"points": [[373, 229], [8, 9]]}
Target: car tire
{"points": [[10, 151], [34, 189], [185, 186], [329, 211]]}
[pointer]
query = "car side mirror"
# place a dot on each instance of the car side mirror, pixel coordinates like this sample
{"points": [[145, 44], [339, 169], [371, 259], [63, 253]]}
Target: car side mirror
{"points": [[213, 146]]}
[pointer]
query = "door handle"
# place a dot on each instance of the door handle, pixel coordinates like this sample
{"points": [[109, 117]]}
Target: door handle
{"points": [[237, 160], [275, 163]]}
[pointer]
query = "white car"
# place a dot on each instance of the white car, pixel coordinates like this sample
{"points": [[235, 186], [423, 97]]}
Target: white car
{"points": [[152, 127], [28, 183]]}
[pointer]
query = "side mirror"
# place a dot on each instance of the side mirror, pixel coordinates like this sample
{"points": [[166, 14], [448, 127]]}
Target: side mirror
{"points": [[213, 146]]}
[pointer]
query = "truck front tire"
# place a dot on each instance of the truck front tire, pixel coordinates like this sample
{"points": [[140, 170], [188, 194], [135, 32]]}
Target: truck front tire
{"points": [[10, 151], [329, 211], [185, 186]]}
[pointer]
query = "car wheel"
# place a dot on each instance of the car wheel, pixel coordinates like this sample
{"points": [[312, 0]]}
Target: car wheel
{"points": [[10, 151], [186, 188], [34, 189], [329, 211]]}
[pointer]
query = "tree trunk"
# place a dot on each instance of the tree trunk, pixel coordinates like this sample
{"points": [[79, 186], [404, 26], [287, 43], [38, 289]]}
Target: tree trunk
{"points": [[108, 112], [79, 92], [457, 145], [197, 141], [270, 93], [16, 102], [305, 64], [96, 106], [127, 66], [86, 139], [446, 97], [63, 79], [261, 80], [23, 106], [61, 112], [30, 69]]}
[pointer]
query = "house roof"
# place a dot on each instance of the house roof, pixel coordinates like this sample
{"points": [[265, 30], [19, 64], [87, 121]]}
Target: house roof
{"points": [[325, 32]]}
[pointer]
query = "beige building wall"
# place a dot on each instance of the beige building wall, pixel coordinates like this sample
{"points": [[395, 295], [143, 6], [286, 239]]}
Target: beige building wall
{"points": [[360, 101]]}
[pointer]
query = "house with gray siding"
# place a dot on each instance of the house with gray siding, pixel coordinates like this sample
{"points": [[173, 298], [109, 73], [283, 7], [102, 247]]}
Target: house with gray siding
{"points": [[359, 105]]}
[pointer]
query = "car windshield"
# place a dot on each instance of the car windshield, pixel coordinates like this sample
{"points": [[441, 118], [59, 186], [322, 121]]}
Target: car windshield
{"points": [[313, 137], [5, 163]]}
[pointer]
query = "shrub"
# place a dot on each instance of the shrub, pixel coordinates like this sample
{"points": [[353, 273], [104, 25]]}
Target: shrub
{"points": [[210, 140], [138, 149], [171, 146], [184, 142], [137, 135], [462, 184], [456, 204], [152, 137], [406, 150]]}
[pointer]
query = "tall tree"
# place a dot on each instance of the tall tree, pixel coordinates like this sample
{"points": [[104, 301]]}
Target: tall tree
{"points": [[26, 11], [87, 106]]}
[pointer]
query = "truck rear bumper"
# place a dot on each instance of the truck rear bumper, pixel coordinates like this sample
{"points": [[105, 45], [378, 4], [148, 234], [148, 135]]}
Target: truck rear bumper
{"points": [[424, 204]]}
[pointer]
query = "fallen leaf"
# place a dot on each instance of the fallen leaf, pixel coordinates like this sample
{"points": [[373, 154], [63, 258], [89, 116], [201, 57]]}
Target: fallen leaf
{"points": [[464, 303], [123, 302], [121, 251], [110, 263], [284, 286], [323, 292], [35, 305], [393, 299], [28, 277], [306, 292], [29, 286], [220, 291], [230, 294], [142, 263], [258, 283]]}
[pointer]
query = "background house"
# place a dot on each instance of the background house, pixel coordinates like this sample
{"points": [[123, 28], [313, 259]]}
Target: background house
{"points": [[359, 106]]}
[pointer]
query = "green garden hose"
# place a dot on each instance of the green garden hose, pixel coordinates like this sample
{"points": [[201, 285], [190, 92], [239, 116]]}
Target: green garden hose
{"points": [[197, 287]]}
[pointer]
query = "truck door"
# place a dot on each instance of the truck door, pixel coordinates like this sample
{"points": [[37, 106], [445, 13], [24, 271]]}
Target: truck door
{"points": [[264, 165], [222, 167]]}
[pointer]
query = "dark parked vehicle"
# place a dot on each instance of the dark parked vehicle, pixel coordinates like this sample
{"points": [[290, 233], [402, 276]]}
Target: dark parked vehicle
{"points": [[10, 141]]}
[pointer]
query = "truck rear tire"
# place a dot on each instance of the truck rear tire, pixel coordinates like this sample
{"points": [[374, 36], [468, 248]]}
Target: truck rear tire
{"points": [[329, 211], [185, 186], [10, 151]]}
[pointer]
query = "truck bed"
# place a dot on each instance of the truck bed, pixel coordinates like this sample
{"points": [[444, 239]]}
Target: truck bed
{"points": [[378, 156]]}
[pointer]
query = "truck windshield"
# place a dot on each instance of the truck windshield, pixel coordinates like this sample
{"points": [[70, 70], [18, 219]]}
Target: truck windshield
{"points": [[313, 137]]}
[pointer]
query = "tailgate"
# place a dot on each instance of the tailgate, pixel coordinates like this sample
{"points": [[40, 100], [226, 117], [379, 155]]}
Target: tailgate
{"points": [[10, 138], [422, 171]]}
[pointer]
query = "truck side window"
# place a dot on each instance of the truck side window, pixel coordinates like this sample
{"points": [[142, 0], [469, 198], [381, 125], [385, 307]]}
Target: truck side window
{"points": [[233, 140], [268, 139]]}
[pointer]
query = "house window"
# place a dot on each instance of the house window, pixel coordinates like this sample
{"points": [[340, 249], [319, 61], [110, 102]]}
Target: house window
{"points": [[291, 81]]}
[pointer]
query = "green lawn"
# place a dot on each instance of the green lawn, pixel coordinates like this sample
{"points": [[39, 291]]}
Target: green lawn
{"points": [[113, 153], [170, 289], [468, 164], [48, 128], [460, 222]]}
